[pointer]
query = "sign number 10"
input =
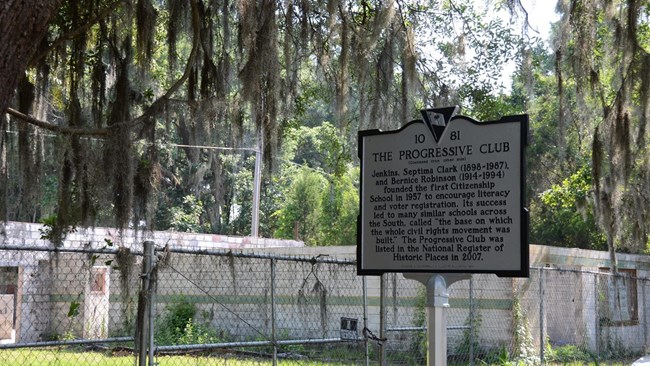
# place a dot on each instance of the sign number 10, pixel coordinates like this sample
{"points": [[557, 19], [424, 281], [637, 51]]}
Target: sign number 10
{"points": [[454, 135]]}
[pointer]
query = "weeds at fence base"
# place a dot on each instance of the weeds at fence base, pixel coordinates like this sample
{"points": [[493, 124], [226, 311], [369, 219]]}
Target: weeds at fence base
{"points": [[309, 356], [568, 354], [70, 358]]}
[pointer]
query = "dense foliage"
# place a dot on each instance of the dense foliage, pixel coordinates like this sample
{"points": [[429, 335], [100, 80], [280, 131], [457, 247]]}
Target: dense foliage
{"points": [[151, 114], [603, 87]]}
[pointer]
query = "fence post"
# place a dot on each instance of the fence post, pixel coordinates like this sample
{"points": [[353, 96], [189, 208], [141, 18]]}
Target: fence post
{"points": [[144, 306], [382, 319], [542, 339], [471, 321], [642, 313], [273, 335], [153, 285], [596, 317], [364, 285]]}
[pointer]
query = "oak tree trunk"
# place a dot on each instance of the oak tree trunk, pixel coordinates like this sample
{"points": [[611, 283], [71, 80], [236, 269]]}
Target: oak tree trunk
{"points": [[23, 24]]}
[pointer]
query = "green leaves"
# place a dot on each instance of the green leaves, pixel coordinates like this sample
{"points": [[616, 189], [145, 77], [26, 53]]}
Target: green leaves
{"points": [[298, 218], [318, 200], [563, 215], [54, 230], [572, 192], [187, 217], [73, 311]]}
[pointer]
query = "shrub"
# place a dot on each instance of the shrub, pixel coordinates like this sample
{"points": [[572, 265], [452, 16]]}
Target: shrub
{"points": [[178, 326], [567, 354]]}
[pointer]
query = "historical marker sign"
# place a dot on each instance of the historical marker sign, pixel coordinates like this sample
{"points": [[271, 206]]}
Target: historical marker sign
{"points": [[444, 195]]}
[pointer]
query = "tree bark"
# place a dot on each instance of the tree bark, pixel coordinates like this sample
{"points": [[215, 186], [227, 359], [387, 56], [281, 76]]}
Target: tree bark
{"points": [[23, 24]]}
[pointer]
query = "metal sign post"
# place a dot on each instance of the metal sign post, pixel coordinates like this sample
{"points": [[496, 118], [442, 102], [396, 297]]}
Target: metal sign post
{"points": [[437, 302]]}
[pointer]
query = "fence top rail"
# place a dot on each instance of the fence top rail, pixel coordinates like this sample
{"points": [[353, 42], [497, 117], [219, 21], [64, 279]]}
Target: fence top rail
{"points": [[52, 249], [195, 251], [230, 253], [584, 271], [248, 254]]}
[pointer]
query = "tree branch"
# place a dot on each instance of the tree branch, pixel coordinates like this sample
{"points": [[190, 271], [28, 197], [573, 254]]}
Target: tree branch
{"points": [[74, 33], [154, 109], [96, 132], [160, 103]]}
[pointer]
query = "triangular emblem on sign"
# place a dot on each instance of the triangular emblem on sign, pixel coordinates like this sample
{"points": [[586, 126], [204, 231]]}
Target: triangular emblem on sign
{"points": [[437, 119]]}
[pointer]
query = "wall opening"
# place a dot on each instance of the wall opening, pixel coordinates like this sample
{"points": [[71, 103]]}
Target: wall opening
{"points": [[8, 303]]}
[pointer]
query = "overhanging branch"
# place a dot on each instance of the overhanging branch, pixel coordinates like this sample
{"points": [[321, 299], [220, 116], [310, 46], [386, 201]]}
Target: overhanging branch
{"points": [[155, 108], [158, 105], [96, 132]]}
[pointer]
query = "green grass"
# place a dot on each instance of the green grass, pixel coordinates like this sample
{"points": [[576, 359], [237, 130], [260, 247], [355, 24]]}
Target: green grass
{"points": [[35, 357], [65, 357], [58, 357]]}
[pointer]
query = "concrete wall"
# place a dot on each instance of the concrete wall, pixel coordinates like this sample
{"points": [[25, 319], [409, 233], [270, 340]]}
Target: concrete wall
{"points": [[568, 304], [29, 235], [48, 282]]}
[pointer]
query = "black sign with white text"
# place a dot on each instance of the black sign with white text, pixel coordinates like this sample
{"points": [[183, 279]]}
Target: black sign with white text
{"points": [[444, 199]]}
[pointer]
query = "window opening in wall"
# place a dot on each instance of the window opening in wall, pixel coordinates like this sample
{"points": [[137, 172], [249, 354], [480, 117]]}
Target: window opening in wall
{"points": [[8, 302], [98, 285]]}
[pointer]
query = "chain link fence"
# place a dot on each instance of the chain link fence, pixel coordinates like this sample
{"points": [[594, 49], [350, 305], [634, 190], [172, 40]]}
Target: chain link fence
{"points": [[114, 306]]}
